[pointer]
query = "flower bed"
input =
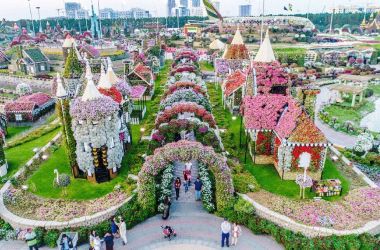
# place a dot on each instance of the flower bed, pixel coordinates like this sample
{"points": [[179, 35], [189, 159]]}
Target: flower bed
{"points": [[177, 108], [185, 95], [185, 151], [93, 109], [27, 205], [185, 85], [357, 208]]}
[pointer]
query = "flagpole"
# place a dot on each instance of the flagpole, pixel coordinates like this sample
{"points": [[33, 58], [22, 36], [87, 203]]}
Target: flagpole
{"points": [[262, 24]]}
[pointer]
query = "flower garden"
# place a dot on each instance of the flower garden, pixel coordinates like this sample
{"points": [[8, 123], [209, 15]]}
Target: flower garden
{"points": [[184, 102]]}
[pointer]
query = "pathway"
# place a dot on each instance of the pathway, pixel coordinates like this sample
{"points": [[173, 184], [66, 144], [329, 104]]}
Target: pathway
{"points": [[196, 228], [333, 136]]}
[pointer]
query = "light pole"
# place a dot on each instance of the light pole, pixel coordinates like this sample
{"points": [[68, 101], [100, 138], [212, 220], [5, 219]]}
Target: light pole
{"points": [[262, 24], [39, 17], [31, 17]]}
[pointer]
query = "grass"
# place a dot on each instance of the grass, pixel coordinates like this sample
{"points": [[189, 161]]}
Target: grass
{"points": [[12, 131], [266, 175], [206, 66], [19, 155], [376, 89], [344, 112], [79, 189]]}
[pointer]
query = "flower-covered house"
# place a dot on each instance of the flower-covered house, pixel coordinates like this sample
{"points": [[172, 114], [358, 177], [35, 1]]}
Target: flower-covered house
{"points": [[142, 75], [96, 127], [233, 90], [33, 62], [29, 108], [280, 129]]}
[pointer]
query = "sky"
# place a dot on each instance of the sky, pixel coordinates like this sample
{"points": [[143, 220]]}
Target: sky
{"points": [[17, 9]]}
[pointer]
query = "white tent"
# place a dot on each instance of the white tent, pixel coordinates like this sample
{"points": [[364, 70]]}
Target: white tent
{"points": [[103, 80], [90, 92], [265, 53], [217, 45], [238, 39]]}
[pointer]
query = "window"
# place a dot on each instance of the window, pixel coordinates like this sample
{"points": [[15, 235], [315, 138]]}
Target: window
{"points": [[86, 147], [42, 67], [305, 159], [18, 117]]}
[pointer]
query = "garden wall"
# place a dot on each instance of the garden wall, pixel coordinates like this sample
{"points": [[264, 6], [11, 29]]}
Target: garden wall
{"points": [[372, 227]]}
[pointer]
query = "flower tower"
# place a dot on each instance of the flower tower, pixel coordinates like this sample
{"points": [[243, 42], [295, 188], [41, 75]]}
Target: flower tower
{"points": [[63, 111], [96, 124], [72, 73]]}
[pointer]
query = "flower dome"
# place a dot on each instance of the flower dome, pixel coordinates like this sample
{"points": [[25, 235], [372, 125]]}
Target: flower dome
{"points": [[23, 89]]}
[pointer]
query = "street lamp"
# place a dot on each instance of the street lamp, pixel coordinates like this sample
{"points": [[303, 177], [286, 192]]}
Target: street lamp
{"points": [[31, 16], [39, 17]]}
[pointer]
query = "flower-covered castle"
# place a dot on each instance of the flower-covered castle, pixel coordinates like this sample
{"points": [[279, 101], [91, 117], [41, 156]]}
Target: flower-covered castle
{"points": [[96, 124], [279, 126]]}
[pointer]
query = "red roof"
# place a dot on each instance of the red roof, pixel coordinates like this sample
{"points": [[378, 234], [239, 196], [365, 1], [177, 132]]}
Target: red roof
{"points": [[144, 72], [233, 82], [27, 103]]}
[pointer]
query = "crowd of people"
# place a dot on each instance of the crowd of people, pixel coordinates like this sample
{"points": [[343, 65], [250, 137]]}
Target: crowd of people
{"points": [[118, 229]]}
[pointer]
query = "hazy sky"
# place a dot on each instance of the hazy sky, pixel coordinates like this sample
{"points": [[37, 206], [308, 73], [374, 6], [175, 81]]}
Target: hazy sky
{"points": [[16, 9]]}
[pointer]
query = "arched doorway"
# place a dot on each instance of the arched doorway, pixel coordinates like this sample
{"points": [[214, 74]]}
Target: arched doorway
{"points": [[185, 151]]}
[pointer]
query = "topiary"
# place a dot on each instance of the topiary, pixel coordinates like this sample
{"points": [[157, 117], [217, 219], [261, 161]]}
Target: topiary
{"points": [[63, 180]]}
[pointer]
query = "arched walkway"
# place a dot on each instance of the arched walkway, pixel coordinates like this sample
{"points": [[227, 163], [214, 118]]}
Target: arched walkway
{"points": [[185, 151]]}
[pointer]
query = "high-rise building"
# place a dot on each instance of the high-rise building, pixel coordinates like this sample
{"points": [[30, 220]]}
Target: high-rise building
{"points": [[140, 13], [196, 3], [245, 10], [82, 14], [71, 9], [171, 6], [184, 3]]}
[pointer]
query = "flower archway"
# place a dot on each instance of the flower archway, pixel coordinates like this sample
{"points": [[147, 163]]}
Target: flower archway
{"points": [[182, 107], [185, 85], [184, 151], [185, 95]]}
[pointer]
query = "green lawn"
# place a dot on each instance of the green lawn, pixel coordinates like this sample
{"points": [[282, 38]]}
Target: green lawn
{"points": [[12, 131], [206, 66], [79, 189], [19, 155], [376, 89], [266, 175]]}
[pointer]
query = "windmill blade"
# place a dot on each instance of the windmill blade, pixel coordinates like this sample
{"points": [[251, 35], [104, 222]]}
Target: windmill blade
{"points": [[212, 12]]}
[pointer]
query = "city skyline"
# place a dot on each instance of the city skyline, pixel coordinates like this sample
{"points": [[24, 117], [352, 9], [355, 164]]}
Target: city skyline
{"points": [[19, 8]]}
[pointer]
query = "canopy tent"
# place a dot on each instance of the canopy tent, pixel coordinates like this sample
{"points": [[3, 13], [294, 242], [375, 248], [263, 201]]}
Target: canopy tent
{"points": [[265, 53]]}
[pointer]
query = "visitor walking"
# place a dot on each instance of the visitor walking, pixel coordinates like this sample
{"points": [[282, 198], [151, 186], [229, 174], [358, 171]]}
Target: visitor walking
{"points": [[108, 239], [226, 229], [97, 242], [92, 239], [236, 233], [188, 166], [167, 204], [198, 188], [185, 181], [114, 228], [31, 239], [123, 230], [177, 186], [66, 242]]}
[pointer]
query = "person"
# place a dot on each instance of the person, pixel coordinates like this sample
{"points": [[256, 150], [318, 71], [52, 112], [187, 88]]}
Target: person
{"points": [[66, 242], [114, 227], [108, 239], [236, 233], [177, 186], [198, 188], [31, 239], [167, 204], [97, 242], [123, 230], [188, 166], [186, 181], [92, 239], [226, 229]]}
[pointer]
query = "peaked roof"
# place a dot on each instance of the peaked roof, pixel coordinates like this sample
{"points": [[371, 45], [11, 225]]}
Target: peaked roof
{"points": [[217, 44], [238, 39], [110, 75], [36, 55], [233, 82], [61, 92], [265, 53], [306, 131], [90, 92], [144, 72], [103, 80]]}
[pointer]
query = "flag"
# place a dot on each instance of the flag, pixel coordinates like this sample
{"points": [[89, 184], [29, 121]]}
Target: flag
{"points": [[212, 12], [285, 8]]}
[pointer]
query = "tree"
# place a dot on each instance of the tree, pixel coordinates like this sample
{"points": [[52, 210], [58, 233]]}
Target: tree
{"points": [[73, 68]]}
